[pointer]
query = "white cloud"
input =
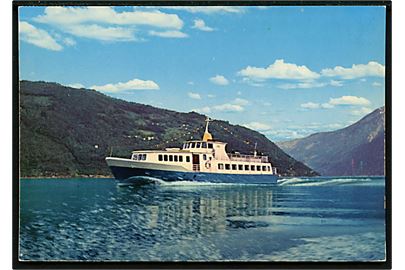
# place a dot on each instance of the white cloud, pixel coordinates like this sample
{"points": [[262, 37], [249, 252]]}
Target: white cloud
{"points": [[107, 15], [240, 101], [219, 79], [106, 24], [210, 96], [69, 41], [203, 110], [279, 70], [228, 107], [95, 31], [305, 85], [76, 85], [236, 105], [360, 112], [376, 84], [200, 25], [135, 84], [344, 100], [349, 100], [258, 126], [336, 83], [194, 95], [327, 106], [310, 105], [37, 37], [372, 69], [208, 9], [168, 34]]}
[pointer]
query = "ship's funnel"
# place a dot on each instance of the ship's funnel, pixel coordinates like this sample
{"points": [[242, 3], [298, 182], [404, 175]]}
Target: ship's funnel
{"points": [[207, 136]]}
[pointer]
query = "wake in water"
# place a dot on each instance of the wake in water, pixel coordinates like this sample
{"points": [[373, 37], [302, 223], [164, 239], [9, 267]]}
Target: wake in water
{"points": [[318, 181], [296, 181]]}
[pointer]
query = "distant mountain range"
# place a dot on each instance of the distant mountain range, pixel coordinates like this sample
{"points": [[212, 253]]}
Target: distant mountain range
{"points": [[358, 149], [68, 132]]}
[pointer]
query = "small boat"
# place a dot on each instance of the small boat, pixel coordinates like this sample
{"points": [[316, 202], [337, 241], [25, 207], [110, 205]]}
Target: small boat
{"points": [[204, 160]]}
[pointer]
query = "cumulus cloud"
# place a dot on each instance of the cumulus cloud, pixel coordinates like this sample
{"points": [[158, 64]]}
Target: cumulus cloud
{"points": [[344, 100], [349, 100], [95, 31], [371, 69], [236, 105], [200, 25], [38, 37], [360, 112], [168, 34], [135, 84], [194, 95], [279, 70], [208, 9], [106, 24], [258, 126], [305, 85], [229, 107], [376, 84], [310, 105], [219, 80], [76, 85], [107, 15]]}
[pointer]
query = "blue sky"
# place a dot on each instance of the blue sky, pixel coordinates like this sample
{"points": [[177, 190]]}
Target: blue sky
{"points": [[286, 72]]}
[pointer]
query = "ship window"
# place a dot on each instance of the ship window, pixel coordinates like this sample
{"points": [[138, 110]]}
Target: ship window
{"points": [[204, 145], [181, 158], [198, 145], [140, 157], [269, 169], [144, 157], [193, 145], [233, 166], [134, 157], [220, 166], [258, 167], [204, 157], [165, 157], [210, 145], [264, 168], [175, 158], [252, 167], [187, 159], [246, 167], [160, 158], [170, 158], [227, 166], [240, 167]]}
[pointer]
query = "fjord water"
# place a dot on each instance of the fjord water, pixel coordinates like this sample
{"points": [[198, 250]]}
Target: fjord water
{"points": [[299, 219]]}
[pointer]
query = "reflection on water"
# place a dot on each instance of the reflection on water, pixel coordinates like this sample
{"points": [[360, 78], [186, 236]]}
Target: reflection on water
{"points": [[95, 219]]}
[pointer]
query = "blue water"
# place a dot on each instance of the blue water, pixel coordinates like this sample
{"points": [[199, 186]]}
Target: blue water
{"points": [[300, 219]]}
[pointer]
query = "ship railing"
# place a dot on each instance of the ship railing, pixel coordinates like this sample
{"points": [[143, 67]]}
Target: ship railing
{"points": [[196, 167], [249, 158]]}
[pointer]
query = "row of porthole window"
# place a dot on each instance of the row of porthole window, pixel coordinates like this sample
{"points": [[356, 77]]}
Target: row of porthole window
{"points": [[241, 167], [175, 158]]}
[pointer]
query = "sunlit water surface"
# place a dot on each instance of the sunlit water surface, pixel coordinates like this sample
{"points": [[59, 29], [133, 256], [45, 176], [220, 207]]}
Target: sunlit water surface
{"points": [[299, 219]]}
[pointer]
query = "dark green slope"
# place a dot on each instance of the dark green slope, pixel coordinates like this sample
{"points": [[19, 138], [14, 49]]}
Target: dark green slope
{"points": [[355, 150], [68, 131]]}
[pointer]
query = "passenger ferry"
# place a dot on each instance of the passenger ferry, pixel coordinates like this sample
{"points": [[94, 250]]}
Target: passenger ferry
{"points": [[203, 160]]}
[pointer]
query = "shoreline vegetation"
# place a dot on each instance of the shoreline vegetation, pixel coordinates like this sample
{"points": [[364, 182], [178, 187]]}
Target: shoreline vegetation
{"points": [[66, 176]]}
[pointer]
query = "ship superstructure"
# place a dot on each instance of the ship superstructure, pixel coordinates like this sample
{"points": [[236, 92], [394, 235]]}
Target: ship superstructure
{"points": [[204, 160]]}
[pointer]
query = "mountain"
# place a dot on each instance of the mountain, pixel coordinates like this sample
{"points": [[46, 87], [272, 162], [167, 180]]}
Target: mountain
{"points": [[67, 131], [355, 150]]}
